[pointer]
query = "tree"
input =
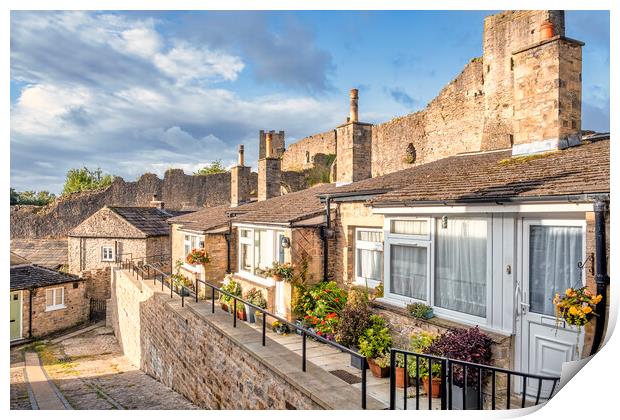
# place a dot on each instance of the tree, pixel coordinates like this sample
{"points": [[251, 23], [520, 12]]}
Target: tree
{"points": [[84, 179], [40, 198], [215, 167]]}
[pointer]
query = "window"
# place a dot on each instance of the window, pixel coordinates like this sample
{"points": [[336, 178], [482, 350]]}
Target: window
{"points": [[107, 253], [443, 264], [258, 249], [368, 256], [54, 298], [192, 242]]}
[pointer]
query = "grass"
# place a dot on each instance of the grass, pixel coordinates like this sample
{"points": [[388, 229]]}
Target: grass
{"points": [[524, 159], [49, 360]]}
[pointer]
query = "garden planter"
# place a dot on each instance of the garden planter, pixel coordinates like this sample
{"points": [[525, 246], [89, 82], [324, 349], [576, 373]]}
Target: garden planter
{"points": [[435, 387], [184, 292], [402, 378], [378, 371], [471, 402], [277, 277], [251, 313], [241, 314]]}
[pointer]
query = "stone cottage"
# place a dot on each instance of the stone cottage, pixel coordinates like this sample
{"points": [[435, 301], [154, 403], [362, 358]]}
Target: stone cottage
{"points": [[44, 301]]}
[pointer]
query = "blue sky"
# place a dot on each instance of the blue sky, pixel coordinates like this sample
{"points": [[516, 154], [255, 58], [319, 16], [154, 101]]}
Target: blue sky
{"points": [[135, 92]]}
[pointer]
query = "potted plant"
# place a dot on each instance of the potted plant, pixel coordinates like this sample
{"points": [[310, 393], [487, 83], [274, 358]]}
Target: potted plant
{"points": [[374, 343], [231, 286], [420, 311], [469, 345], [197, 256], [182, 283], [280, 328], [255, 297], [354, 321], [281, 272], [418, 343]]}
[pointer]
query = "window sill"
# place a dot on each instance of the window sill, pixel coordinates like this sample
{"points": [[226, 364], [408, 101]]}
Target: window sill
{"points": [[260, 281], [54, 308], [399, 308]]}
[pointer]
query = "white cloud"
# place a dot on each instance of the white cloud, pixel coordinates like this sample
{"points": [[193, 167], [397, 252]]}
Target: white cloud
{"points": [[144, 42]]}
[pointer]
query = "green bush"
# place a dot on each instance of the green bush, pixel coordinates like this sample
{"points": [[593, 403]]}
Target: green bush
{"points": [[376, 340]]}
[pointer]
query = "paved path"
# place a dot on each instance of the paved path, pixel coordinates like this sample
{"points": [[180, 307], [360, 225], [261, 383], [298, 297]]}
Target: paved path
{"points": [[44, 392]]}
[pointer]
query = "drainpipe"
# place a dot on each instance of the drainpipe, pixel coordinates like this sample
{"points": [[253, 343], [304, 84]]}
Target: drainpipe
{"points": [[326, 235], [601, 278], [228, 237], [30, 312]]}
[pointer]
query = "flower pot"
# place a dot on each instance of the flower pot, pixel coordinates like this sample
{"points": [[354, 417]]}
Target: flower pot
{"points": [[224, 306], [471, 399], [241, 314], [401, 377], [429, 314], [251, 313], [184, 292], [546, 30], [378, 371], [435, 387], [277, 277]]}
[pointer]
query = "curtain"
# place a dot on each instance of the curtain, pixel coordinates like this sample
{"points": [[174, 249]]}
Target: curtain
{"points": [[461, 266], [408, 269], [369, 236], [369, 264], [410, 227], [554, 254]]}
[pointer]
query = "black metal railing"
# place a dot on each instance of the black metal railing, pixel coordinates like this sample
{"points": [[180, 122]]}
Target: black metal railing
{"points": [[147, 272], [125, 261], [466, 377]]}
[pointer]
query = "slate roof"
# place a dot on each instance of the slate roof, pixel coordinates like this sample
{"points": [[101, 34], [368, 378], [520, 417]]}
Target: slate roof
{"points": [[51, 253], [493, 175], [498, 176], [285, 209], [149, 220], [32, 276]]}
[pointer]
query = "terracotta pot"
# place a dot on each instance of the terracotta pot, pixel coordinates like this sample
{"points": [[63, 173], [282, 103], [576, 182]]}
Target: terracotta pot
{"points": [[377, 371], [401, 377], [241, 315], [435, 389], [224, 306], [277, 277], [546, 30]]}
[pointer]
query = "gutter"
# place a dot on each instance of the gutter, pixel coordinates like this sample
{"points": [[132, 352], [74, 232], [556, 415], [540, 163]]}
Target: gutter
{"points": [[574, 198], [601, 278]]}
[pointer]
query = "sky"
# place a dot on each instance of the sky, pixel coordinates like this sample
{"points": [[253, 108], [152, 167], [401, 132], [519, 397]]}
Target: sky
{"points": [[134, 92]]}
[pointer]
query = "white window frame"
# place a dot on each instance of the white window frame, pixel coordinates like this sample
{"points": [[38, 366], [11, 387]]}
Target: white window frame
{"points": [[429, 242], [103, 253], [371, 246], [275, 237], [54, 306], [198, 240]]}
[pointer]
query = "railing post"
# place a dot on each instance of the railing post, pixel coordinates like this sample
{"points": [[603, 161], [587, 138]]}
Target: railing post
{"points": [[303, 351], [182, 296], [212, 300], [443, 385], [392, 379], [196, 289], [364, 383], [264, 329], [234, 312]]}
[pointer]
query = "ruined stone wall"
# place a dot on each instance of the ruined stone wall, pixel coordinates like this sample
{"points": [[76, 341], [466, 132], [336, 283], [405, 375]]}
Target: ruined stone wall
{"points": [[177, 190], [300, 155], [214, 365]]}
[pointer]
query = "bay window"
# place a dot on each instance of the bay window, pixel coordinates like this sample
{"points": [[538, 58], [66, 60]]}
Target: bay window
{"points": [[368, 256], [444, 263]]}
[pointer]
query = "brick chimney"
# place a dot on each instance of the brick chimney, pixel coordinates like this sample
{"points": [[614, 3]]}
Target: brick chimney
{"points": [[353, 146], [547, 95], [240, 181], [269, 172], [155, 202]]}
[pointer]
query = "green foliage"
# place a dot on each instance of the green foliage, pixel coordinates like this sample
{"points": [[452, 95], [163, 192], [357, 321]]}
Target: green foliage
{"points": [[320, 173], [40, 198], [420, 343], [255, 297], [84, 179], [232, 287], [328, 298], [215, 167], [376, 340], [420, 310]]}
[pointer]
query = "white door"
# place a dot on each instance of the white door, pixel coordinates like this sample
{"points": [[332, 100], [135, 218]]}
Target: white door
{"points": [[551, 252]]}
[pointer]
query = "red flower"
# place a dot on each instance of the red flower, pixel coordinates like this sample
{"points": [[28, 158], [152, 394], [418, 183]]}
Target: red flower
{"points": [[337, 299]]}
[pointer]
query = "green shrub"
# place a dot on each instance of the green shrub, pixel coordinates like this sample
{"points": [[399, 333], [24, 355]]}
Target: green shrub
{"points": [[376, 340]]}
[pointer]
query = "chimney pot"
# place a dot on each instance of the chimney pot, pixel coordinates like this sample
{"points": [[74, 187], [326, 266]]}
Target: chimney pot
{"points": [[353, 95], [268, 141], [241, 161]]}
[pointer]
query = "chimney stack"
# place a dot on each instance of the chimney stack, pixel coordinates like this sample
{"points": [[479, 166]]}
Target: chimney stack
{"points": [[269, 172], [277, 143], [240, 181], [157, 203], [353, 95]]}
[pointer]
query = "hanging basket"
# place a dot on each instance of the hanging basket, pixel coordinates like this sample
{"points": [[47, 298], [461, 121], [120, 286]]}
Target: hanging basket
{"points": [[576, 307]]}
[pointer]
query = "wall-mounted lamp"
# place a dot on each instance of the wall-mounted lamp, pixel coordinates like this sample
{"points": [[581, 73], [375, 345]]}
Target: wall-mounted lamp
{"points": [[444, 222], [285, 242]]}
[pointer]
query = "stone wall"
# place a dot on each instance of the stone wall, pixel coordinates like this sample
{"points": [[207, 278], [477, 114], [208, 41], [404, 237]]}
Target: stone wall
{"points": [[48, 322], [300, 155], [214, 365], [177, 190], [97, 283]]}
